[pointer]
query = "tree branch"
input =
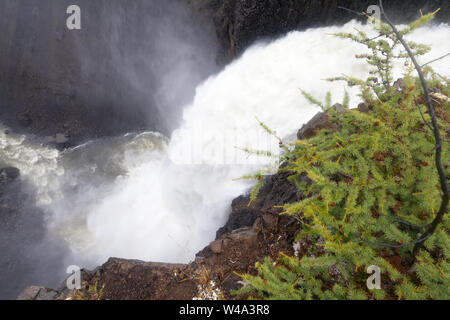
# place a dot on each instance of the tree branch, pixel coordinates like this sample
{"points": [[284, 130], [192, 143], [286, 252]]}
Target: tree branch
{"points": [[423, 117], [444, 56], [437, 136], [352, 11], [397, 246]]}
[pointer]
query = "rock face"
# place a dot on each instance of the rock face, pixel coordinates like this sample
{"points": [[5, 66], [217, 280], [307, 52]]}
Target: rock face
{"points": [[211, 275], [132, 65], [277, 191], [109, 78], [241, 22], [318, 122]]}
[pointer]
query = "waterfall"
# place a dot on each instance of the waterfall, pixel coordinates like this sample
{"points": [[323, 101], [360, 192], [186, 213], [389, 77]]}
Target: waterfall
{"points": [[144, 196]]}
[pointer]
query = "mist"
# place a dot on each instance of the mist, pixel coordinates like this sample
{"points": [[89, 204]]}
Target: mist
{"points": [[133, 91], [132, 67], [153, 48]]}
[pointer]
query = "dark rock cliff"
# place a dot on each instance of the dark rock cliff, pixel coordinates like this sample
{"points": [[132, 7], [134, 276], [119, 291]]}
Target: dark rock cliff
{"points": [[131, 66], [241, 22]]}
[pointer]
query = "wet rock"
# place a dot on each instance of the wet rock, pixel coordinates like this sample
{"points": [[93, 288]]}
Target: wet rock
{"points": [[8, 174], [270, 222], [37, 293], [29, 293], [216, 246], [24, 119], [277, 191], [239, 218], [320, 121], [231, 282], [362, 107], [74, 82]]}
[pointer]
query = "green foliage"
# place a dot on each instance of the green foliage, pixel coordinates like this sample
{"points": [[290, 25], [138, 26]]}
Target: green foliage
{"points": [[324, 106], [383, 50], [93, 292], [375, 189]]}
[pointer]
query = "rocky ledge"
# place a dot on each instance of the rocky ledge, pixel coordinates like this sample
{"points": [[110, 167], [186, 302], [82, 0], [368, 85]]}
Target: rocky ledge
{"points": [[259, 232]]}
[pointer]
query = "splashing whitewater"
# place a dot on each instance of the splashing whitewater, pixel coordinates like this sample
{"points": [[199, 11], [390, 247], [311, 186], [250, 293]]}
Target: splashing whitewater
{"points": [[143, 196]]}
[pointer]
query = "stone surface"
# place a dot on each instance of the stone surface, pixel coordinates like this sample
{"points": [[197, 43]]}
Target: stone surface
{"points": [[216, 246], [320, 121]]}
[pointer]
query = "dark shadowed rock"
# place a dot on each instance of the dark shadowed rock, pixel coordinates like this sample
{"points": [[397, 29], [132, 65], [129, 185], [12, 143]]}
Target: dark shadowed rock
{"points": [[8, 174], [24, 120], [277, 191], [362, 107], [318, 122]]}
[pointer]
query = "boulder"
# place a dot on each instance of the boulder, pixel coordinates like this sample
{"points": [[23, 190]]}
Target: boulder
{"points": [[320, 121]]}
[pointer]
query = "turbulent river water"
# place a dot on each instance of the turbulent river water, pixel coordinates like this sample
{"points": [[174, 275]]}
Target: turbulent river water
{"points": [[145, 196]]}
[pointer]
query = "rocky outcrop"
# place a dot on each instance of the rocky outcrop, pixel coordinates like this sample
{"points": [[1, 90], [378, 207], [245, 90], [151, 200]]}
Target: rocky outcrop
{"points": [[277, 191], [319, 122], [239, 23], [251, 233]]}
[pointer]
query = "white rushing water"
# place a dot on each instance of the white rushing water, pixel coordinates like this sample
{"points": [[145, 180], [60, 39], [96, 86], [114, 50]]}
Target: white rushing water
{"points": [[145, 197]]}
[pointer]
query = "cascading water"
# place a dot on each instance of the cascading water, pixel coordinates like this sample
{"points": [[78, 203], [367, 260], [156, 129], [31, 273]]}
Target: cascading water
{"points": [[143, 196]]}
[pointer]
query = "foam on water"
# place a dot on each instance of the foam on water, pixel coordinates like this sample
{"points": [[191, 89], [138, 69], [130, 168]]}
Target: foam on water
{"points": [[140, 198]]}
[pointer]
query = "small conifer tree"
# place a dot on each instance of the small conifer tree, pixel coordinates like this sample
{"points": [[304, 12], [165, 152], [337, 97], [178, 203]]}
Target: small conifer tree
{"points": [[374, 192]]}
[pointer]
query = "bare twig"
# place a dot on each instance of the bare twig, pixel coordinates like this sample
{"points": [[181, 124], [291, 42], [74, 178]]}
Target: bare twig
{"points": [[397, 246], [406, 223], [352, 11], [379, 36], [423, 117], [437, 59], [437, 136]]}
